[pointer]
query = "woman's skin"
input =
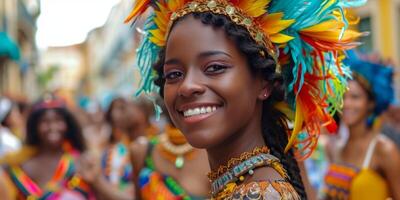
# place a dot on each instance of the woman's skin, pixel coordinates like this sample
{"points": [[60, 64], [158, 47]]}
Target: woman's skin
{"points": [[386, 158], [51, 130], [203, 67]]}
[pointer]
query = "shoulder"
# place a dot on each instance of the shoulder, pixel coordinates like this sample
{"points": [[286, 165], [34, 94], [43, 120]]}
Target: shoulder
{"points": [[139, 146], [18, 157], [385, 146], [138, 152]]}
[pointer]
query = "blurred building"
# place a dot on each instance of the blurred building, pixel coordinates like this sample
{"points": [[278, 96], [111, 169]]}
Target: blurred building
{"points": [[110, 52], [18, 51], [381, 18]]}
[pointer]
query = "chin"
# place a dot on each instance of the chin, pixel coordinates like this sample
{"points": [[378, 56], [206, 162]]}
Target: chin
{"points": [[202, 139]]}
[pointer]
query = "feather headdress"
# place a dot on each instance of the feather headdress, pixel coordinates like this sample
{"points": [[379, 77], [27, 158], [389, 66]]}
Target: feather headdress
{"points": [[306, 37]]}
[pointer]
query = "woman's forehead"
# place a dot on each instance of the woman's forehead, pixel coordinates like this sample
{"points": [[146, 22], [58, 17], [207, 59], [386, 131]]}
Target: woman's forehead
{"points": [[190, 35]]}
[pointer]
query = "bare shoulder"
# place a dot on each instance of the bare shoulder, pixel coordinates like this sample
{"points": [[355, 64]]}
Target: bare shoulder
{"points": [[138, 150], [385, 146], [139, 146]]}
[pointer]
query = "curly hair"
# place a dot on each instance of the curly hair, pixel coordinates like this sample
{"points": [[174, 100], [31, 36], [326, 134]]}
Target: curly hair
{"points": [[274, 122], [73, 133]]}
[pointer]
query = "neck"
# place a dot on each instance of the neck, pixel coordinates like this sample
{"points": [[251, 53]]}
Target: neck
{"points": [[358, 131], [50, 151], [243, 141]]}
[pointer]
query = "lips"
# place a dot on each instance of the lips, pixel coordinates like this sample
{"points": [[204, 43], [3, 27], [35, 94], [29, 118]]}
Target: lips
{"points": [[54, 136]]}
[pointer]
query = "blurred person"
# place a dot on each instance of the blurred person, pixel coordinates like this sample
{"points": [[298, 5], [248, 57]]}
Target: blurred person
{"points": [[112, 170], [97, 132], [168, 167], [144, 110], [391, 125], [46, 167], [14, 120], [364, 163], [8, 141]]}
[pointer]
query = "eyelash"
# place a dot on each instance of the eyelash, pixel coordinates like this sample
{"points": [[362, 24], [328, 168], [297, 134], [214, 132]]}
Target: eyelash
{"points": [[219, 69], [169, 76], [174, 75]]}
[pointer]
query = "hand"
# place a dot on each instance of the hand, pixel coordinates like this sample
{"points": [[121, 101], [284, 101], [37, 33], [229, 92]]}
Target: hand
{"points": [[89, 167]]}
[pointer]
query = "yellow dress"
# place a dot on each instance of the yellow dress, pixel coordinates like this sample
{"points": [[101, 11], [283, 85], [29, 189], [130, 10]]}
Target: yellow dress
{"points": [[344, 182]]}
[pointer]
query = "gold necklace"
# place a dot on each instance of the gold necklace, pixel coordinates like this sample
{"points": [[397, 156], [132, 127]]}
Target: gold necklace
{"points": [[175, 153]]}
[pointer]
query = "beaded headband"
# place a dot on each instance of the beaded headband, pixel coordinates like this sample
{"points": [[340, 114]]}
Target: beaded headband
{"points": [[306, 38], [253, 25]]}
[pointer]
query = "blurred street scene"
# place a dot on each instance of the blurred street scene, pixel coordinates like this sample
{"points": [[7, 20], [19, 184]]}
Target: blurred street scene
{"points": [[82, 53]]}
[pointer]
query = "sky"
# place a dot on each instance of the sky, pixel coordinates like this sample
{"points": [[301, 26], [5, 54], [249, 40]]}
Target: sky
{"points": [[67, 22]]}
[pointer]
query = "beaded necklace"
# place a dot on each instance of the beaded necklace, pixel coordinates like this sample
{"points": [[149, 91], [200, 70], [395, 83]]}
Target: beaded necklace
{"points": [[174, 147]]}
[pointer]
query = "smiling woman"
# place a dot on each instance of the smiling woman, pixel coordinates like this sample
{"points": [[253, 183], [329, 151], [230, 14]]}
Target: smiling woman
{"points": [[223, 67], [54, 138]]}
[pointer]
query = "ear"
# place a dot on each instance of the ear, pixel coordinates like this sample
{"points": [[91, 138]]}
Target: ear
{"points": [[265, 91]]}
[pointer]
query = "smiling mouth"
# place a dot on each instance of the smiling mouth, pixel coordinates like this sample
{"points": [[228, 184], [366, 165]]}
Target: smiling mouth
{"points": [[199, 111]]}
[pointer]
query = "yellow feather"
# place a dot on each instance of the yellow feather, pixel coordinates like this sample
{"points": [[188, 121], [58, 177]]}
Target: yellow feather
{"points": [[333, 35], [273, 23], [324, 26], [298, 126], [174, 5], [280, 38], [157, 37], [254, 8]]}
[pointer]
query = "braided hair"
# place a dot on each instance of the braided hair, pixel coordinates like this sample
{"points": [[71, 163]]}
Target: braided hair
{"points": [[274, 126]]}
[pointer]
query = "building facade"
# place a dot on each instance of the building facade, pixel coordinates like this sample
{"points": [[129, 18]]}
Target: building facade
{"points": [[18, 23]]}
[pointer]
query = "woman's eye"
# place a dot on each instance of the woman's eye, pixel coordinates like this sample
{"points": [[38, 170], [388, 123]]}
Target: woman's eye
{"points": [[215, 69], [173, 75]]}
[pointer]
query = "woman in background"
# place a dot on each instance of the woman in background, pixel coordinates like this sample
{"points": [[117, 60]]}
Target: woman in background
{"points": [[365, 164], [46, 167]]}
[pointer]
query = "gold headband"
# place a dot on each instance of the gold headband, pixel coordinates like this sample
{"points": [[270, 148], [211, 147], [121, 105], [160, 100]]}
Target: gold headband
{"points": [[235, 15]]}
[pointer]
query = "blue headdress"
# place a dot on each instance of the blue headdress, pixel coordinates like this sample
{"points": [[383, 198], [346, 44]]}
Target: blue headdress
{"points": [[379, 80]]}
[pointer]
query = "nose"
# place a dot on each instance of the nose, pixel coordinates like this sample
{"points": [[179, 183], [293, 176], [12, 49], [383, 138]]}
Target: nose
{"points": [[191, 85]]}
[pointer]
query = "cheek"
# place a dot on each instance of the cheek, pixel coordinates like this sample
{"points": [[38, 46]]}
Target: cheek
{"points": [[43, 127], [62, 126], [170, 94]]}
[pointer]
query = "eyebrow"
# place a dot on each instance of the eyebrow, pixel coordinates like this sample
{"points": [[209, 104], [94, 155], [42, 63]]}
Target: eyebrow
{"points": [[173, 61], [213, 53]]}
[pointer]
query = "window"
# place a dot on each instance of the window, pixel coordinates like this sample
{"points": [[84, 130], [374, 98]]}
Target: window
{"points": [[367, 42]]}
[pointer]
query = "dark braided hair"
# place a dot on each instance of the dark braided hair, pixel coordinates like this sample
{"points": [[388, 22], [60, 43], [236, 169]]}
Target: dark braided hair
{"points": [[274, 126]]}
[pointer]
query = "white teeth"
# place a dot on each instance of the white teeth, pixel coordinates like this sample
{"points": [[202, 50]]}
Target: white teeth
{"points": [[200, 110]]}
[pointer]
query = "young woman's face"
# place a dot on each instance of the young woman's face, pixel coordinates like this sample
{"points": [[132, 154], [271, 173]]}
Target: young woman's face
{"points": [[209, 91], [118, 114], [52, 128], [356, 106]]}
